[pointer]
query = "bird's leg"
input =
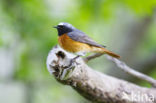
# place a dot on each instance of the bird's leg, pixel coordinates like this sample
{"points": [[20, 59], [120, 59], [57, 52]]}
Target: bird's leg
{"points": [[68, 69], [73, 60], [76, 57]]}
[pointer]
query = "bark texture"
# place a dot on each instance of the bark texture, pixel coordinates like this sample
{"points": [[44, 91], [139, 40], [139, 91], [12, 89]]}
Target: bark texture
{"points": [[93, 85]]}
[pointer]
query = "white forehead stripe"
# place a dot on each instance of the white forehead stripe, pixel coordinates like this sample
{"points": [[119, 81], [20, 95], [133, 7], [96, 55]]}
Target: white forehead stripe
{"points": [[66, 24], [61, 23]]}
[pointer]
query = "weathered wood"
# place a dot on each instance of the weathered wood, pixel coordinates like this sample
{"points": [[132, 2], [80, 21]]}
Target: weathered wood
{"points": [[94, 85]]}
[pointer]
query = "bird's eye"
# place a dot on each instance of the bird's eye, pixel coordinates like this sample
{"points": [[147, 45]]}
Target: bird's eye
{"points": [[61, 26]]}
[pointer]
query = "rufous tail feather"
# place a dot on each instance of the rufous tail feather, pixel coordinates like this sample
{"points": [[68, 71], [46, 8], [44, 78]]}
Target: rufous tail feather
{"points": [[110, 53], [103, 50]]}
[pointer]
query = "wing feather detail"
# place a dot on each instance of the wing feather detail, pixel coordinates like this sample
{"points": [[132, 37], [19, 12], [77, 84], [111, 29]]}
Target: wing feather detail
{"points": [[83, 38]]}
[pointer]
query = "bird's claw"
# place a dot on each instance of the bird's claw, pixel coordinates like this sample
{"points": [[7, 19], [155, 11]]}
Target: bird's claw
{"points": [[72, 63]]}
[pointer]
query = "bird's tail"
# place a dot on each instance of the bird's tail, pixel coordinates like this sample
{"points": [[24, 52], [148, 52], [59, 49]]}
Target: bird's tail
{"points": [[110, 53], [104, 50]]}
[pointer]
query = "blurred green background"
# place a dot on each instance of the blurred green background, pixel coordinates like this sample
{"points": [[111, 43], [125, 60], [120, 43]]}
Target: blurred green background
{"points": [[127, 27]]}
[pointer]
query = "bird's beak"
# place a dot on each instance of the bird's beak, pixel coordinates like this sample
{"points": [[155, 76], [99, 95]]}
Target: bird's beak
{"points": [[55, 26]]}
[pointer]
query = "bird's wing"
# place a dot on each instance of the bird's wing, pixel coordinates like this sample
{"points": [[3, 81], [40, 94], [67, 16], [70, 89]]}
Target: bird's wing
{"points": [[83, 38]]}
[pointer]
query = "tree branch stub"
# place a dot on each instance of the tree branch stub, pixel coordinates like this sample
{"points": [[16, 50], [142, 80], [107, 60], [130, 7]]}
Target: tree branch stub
{"points": [[94, 85]]}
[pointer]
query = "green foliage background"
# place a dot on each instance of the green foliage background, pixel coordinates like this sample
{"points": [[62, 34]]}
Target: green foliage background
{"points": [[26, 32]]}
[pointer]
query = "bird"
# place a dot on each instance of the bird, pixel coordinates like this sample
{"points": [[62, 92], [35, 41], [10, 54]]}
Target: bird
{"points": [[75, 41]]}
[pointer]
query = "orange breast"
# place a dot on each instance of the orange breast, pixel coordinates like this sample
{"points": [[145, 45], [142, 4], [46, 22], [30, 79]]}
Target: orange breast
{"points": [[72, 46]]}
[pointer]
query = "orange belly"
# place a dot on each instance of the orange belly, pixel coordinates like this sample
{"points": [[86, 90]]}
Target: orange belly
{"points": [[72, 46]]}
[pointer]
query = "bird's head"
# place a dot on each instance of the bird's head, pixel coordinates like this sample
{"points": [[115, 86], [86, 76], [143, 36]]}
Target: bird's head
{"points": [[63, 28]]}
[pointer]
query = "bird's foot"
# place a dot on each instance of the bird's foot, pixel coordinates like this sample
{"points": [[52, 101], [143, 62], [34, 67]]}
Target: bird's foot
{"points": [[72, 62], [66, 72]]}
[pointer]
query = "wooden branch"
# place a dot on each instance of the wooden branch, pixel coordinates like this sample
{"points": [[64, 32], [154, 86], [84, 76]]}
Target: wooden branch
{"points": [[92, 57], [135, 34], [125, 68], [93, 85], [132, 72]]}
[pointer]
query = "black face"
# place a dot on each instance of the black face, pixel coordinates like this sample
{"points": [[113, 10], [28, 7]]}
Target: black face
{"points": [[65, 28]]}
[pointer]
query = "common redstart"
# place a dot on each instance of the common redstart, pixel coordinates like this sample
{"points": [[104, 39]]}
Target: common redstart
{"points": [[75, 41]]}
